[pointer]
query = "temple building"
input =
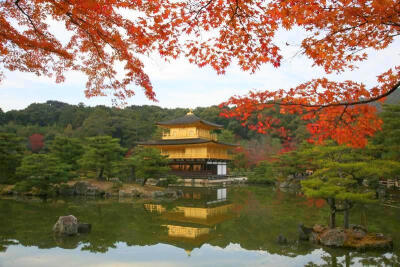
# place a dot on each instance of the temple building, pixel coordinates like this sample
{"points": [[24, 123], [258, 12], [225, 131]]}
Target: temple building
{"points": [[192, 147]]}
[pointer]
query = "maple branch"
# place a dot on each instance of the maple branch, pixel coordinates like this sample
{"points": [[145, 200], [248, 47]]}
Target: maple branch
{"points": [[201, 9], [28, 17], [360, 102]]}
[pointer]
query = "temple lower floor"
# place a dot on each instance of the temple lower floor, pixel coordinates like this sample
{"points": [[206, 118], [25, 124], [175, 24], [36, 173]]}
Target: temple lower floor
{"points": [[198, 168]]}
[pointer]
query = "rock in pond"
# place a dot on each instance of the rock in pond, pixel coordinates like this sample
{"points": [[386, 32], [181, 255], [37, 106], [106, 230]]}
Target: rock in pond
{"points": [[84, 228], [356, 237], [304, 232], [66, 225], [333, 237], [94, 191]]}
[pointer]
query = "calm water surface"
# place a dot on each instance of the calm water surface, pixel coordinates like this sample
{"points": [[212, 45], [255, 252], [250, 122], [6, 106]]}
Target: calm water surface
{"points": [[199, 230]]}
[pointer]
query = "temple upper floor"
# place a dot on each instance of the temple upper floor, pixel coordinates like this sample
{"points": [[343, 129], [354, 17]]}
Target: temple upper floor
{"points": [[188, 132], [189, 126]]}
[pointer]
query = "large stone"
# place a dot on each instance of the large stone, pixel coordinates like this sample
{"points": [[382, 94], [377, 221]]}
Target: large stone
{"points": [[358, 231], [93, 191], [66, 225], [304, 232], [81, 188], [333, 237], [314, 237], [136, 193], [319, 228]]}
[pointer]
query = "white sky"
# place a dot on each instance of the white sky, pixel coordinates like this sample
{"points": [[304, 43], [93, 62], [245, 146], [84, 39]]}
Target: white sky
{"points": [[180, 84]]}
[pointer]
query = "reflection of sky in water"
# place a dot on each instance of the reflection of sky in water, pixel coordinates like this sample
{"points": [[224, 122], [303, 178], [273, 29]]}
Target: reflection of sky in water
{"points": [[157, 255]]}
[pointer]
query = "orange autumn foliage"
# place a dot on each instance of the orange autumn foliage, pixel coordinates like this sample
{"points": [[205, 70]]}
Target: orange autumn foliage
{"points": [[214, 33]]}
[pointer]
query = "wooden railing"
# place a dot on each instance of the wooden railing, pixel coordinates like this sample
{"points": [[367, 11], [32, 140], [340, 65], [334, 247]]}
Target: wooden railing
{"points": [[390, 183]]}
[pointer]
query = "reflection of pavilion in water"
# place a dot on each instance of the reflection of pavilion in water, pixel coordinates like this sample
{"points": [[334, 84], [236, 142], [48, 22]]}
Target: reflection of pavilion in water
{"points": [[194, 218]]}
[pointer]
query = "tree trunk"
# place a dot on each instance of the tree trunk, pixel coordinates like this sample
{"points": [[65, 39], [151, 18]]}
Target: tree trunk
{"points": [[332, 217], [346, 216], [100, 177], [347, 206], [144, 181], [132, 177]]}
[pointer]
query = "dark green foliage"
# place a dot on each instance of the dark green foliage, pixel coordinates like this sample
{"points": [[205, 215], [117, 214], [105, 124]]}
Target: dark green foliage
{"points": [[100, 154], [226, 136], [148, 163], [291, 163], [389, 138], [131, 124], [344, 176], [11, 152], [2, 117], [262, 173], [41, 171], [98, 123], [68, 150]]}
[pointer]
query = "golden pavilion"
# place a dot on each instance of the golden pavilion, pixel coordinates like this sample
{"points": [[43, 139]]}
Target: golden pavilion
{"points": [[192, 147]]}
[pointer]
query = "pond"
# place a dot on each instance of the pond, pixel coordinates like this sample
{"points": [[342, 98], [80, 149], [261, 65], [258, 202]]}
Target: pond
{"points": [[202, 229]]}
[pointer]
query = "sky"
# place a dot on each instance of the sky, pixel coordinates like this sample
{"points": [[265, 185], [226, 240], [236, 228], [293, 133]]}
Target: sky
{"points": [[180, 84]]}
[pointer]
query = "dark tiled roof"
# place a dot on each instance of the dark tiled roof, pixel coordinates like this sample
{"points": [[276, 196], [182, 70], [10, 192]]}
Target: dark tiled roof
{"points": [[182, 142], [189, 119]]}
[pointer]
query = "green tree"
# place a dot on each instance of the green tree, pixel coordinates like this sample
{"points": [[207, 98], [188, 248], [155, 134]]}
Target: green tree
{"points": [[11, 152], [41, 171], [262, 173], [148, 163], [100, 154], [68, 150], [226, 136], [344, 176], [98, 123], [389, 137], [2, 117], [290, 164]]}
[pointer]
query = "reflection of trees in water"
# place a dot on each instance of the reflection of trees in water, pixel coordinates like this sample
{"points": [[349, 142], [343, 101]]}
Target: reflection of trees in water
{"points": [[382, 260], [261, 218], [334, 258]]}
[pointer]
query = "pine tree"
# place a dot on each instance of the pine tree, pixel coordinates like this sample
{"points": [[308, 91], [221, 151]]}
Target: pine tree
{"points": [[100, 153], [11, 152], [41, 171], [68, 150], [148, 163], [344, 176]]}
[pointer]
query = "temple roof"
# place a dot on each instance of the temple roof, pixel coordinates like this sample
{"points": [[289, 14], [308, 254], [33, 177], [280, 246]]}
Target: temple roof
{"points": [[186, 141], [189, 118]]}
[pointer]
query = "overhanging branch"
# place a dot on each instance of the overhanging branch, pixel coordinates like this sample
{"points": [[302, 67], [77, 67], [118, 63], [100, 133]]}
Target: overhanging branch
{"points": [[359, 102]]}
